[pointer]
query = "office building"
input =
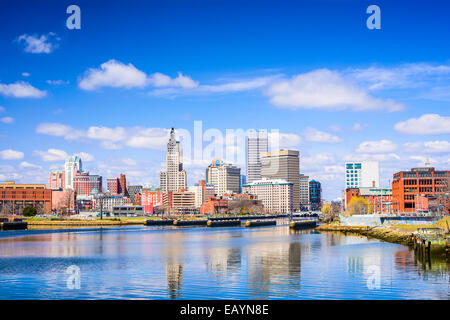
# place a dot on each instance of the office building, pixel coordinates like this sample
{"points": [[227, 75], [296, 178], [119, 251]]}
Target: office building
{"points": [[72, 167], [14, 197], [315, 195], [202, 191], [283, 164], [425, 181], [134, 193], [84, 183], [257, 143], [304, 192], [362, 174], [275, 195], [151, 198], [56, 180], [224, 177], [174, 177]]}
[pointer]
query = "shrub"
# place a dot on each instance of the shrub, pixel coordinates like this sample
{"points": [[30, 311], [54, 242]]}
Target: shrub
{"points": [[29, 211]]}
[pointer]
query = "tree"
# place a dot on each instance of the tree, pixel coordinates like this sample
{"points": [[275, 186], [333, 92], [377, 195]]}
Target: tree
{"points": [[358, 205], [29, 211], [7, 208], [326, 210]]}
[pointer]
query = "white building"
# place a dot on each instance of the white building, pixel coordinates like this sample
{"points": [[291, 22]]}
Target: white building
{"points": [[72, 167], [276, 195], [257, 143], [224, 177], [174, 177], [362, 174], [202, 193], [304, 192]]}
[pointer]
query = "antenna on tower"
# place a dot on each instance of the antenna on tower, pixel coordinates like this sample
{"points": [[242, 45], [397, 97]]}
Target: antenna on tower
{"points": [[427, 162]]}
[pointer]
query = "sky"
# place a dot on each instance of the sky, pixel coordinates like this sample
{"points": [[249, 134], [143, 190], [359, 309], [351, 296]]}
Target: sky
{"points": [[311, 70]]}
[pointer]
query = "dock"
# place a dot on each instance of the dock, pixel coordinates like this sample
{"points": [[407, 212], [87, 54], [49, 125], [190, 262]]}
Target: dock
{"points": [[224, 223], [162, 222], [303, 224], [260, 223], [181, 223], [13, 225]]}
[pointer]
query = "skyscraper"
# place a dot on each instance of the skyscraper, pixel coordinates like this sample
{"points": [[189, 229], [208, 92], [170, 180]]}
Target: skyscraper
{"points": [[283, 164], [304, 192], [257, 144], [363, 174], [56, 180], [174, 177], [72, 167], [225, 177], [315, 195]]}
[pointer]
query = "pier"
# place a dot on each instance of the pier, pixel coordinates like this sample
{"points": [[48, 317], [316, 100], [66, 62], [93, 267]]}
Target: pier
{"points": [[224, 223], [260, 223], [181, 223], [303, 224], [162, 222]]}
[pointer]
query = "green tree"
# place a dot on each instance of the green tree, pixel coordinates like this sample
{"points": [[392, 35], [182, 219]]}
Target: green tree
{"points": [[29, 211]]}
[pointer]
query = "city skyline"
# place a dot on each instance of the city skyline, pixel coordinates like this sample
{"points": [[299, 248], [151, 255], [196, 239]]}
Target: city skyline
{"points": [[334, 94]]}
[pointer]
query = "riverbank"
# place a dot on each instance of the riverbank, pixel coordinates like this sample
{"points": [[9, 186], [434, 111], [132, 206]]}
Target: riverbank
{"points": [[401, 234]]}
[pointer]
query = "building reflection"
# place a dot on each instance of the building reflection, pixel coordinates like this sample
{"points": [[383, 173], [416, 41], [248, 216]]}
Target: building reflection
{"points": [[173, 243], [222, 262]]}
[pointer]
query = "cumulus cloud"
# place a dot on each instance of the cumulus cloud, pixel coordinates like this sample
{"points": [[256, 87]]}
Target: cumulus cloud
{"points": [[7, 120], [59, 130], [427, 147], [327, 90], [161, 80], [45, 43], [86, 157], [314, 135], [27, 165], [114, 74], [21, 89], [382, 146], [427, 124], [51, 155], [284, 140], [10, 154], [25, 74]]}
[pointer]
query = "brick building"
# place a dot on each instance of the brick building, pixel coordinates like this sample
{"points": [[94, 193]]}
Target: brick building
{"points": [[84, 183], [425, 181], [14, 197], [379, 199]]}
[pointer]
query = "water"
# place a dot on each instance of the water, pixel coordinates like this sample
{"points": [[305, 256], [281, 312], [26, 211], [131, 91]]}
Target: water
{"points": [[211, 263]]}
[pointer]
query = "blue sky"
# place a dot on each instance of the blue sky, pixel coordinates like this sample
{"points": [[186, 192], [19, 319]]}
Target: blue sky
{"points": [[334, 89]]}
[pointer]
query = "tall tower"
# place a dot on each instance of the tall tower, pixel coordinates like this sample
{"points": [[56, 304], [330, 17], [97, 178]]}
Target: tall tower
{"points": [[283, 164], [257, 144], [174, 177], [72, 166]]}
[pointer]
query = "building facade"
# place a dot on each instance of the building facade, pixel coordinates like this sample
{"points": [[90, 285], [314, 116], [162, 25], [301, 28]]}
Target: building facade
{"points": [[179, 201], [72, 167], [304, 192], [257, 143], [84, 183], [224, 177], [174, 177], [14, 197], [276, 195], [379, 199], [425, 181], [315, 195], [283, 164], [56, 180], [202, 191], [151, 198], [134, 192], [362, 174]]}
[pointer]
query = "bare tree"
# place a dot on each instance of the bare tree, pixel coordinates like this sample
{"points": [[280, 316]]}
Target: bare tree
{"points": [[7, 208]]}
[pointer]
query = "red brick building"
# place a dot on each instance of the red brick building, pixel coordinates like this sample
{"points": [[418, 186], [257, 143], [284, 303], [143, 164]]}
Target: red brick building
{"points": [[379, 199], [151, 198], [15, 197], [84, 183], [423, 182]]}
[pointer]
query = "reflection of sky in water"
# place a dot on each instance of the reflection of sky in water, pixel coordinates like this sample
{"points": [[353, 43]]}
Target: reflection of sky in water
{"points": [[202, 263]]}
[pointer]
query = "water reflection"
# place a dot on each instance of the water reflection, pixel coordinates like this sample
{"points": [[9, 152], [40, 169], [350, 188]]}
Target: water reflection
{"points": [[230, 263]]}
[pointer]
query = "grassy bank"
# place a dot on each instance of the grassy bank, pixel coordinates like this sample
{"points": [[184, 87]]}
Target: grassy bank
{"points": [[87, 223]]}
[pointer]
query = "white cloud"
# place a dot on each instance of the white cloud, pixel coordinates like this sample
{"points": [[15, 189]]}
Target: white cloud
{"points": [[25, 74], [372, 157], [427, 124], [59, 130], [27, 165], [359, 126], [21, 89], [161, 80], [403, 76], [314, 135], [45, 43], [105, 133], [113, 74], [57, 82], [86, 157], [427, 147], [326, 90], [51, 155], [7, 120], [382, 146], [283, 140], [152, 138], [10, 154]]}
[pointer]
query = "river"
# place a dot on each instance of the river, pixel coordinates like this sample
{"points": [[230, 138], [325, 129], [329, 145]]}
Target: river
{"points": [[211, 263]]}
